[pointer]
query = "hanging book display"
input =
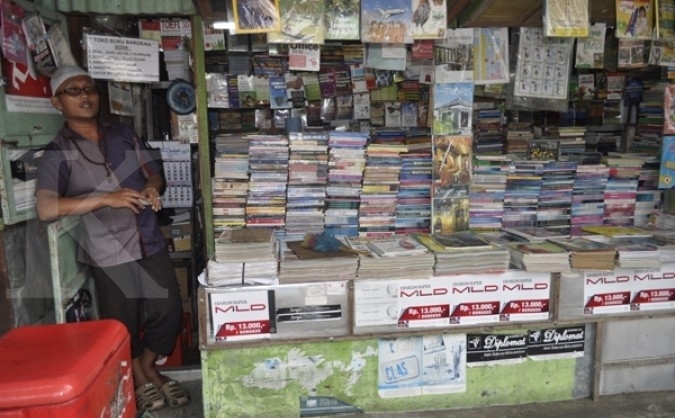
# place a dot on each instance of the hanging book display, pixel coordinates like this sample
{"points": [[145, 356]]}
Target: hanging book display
{"points": [[256, 16], [590, 53], [665, 19], [634, 19], [341, 19], [569, 18], [390, 24], [302, 23], [491, 55], [429, 19]]}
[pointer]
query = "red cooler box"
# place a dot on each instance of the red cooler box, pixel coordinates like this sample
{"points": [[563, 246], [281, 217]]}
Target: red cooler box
{"points": [[67, 370]]}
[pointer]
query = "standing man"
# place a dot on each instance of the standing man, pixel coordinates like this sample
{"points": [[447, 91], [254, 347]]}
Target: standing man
{"points": [[104, 173]]}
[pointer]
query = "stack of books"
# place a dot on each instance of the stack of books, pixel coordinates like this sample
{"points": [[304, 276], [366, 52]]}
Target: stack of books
{"points": [[346, 162], [243, 256], [588, 207], [307, 176], [621, 190], [555, 198], [521, 197], [268, 163], [413, 201], [537, 233], [639, 252], [299, 264], [464, 252], [586, 254], [229, 185], [397, 256], [486, 192], [539, 256]]}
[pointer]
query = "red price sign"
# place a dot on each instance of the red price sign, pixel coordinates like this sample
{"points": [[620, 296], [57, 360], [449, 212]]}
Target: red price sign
{"points": [[654, 295], [608, 299], [235, 329], [526, 306], [421, 313], [476, 309]]}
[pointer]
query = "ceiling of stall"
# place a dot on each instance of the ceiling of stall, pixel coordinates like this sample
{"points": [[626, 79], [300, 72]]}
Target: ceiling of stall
{"points": [[464, 13]]}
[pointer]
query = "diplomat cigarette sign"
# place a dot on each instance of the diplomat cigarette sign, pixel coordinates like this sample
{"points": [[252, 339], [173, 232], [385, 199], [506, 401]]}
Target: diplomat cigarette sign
{"points": [[122, 59]]}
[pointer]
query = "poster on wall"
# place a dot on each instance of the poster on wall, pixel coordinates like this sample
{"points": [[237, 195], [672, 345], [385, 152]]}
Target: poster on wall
{"points": [[543, 68], [421, 365], [256, 16], [132, 60], [634, 19]]}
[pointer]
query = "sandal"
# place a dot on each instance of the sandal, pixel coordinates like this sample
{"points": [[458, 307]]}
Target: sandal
{"points": [[148, 397], [174, 394]]}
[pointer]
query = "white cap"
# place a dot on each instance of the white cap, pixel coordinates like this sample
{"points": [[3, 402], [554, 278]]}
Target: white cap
{"points": [[65, 73]]}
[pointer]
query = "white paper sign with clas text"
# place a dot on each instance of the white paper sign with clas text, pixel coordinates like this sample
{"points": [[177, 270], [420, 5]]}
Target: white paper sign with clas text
{"points": [[122, 59]]}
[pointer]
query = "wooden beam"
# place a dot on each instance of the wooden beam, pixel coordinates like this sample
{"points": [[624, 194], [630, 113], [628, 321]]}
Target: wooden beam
{"points": [[455, 7], [472, 12]]}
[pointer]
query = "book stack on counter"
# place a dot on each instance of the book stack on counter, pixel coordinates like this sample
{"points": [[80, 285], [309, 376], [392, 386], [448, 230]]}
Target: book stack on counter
{"points": [[542, 256], [268, 164], [621, 190], [389, 257], [587, 254], [588, 207], [521, 197], [555, 198], [243, 256], [346, 162], [464, 252], [486, 191], [648, 197], [650, 118], [229, 185], [300, 264], [488, 132], [634, 245], [413, 202], [307, 176], [518, 138], [377, 209], [537, 233], [571, 142]]}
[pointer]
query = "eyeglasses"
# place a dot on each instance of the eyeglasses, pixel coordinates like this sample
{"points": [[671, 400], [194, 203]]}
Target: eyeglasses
{"points": [[77, 91]]}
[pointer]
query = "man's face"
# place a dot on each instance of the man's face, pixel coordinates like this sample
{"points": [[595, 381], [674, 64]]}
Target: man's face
{"points": [[77, 98]]}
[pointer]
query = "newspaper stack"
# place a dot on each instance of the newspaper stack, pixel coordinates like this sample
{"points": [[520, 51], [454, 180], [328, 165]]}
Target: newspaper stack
{"points": [[243, 256], [390, 257], [464, 252], [636, 252]]}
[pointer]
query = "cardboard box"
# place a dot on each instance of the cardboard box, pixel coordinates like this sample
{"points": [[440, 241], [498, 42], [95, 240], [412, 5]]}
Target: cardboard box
{"points": [[183, 281], [182, 243], [176, 230]]}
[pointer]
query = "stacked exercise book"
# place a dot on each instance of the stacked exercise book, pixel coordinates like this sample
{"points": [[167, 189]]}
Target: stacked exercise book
{"points": [[539, 256], [307, 176], [300, 263], [268, 164], [397, 256], [635, 247], [243, 256], [229, 185], [346, 162], [464, 252], [586, 254]]}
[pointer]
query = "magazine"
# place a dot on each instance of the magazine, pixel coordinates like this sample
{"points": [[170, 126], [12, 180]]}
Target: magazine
{"points": [[454, 56], [278, 97], [634, 19], [590, 51], [566, 18], [298, 24], [667, 169], [386, 23], [491, 55], [256, 16], [42, 56], [429, 19], [452, 108], [13, 39], [341, 19]]}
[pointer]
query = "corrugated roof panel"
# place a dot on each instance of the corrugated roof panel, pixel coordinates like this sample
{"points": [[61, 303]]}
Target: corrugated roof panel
{"points": [[126, 7]]}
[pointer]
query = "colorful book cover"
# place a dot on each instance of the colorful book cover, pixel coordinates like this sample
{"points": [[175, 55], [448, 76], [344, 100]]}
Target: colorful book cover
{"points": [[362, 106], [246, 87], [452, 108], [386, 24], [358, 75], [665, 19], [278, 96], [669, 110], [345, 107], [150, 29], [590, 53], [491, 56], [214, 39], [454, 56], [41, 55], [13, 39], [422, 49], [569, 18], [233, 91], [634, 19], [312, 88], [377, 113], [341, 19], [429, 19], [633, 53], [392, 115], [409, 114], [450, 210], [174, 32], [667, 170], [327, 82], [261, 86], [256, 16], [343, 80], [452, 164], [662, 52], [304, 57], [295, 89], [301, 23], [386, 57]]}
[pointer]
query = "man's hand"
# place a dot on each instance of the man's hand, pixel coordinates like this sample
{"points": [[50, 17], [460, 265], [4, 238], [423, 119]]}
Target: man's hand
{"points": [[152, 198]]}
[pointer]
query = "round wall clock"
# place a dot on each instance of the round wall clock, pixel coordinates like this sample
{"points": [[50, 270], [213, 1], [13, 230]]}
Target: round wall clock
{"points": [[180, 96]]}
